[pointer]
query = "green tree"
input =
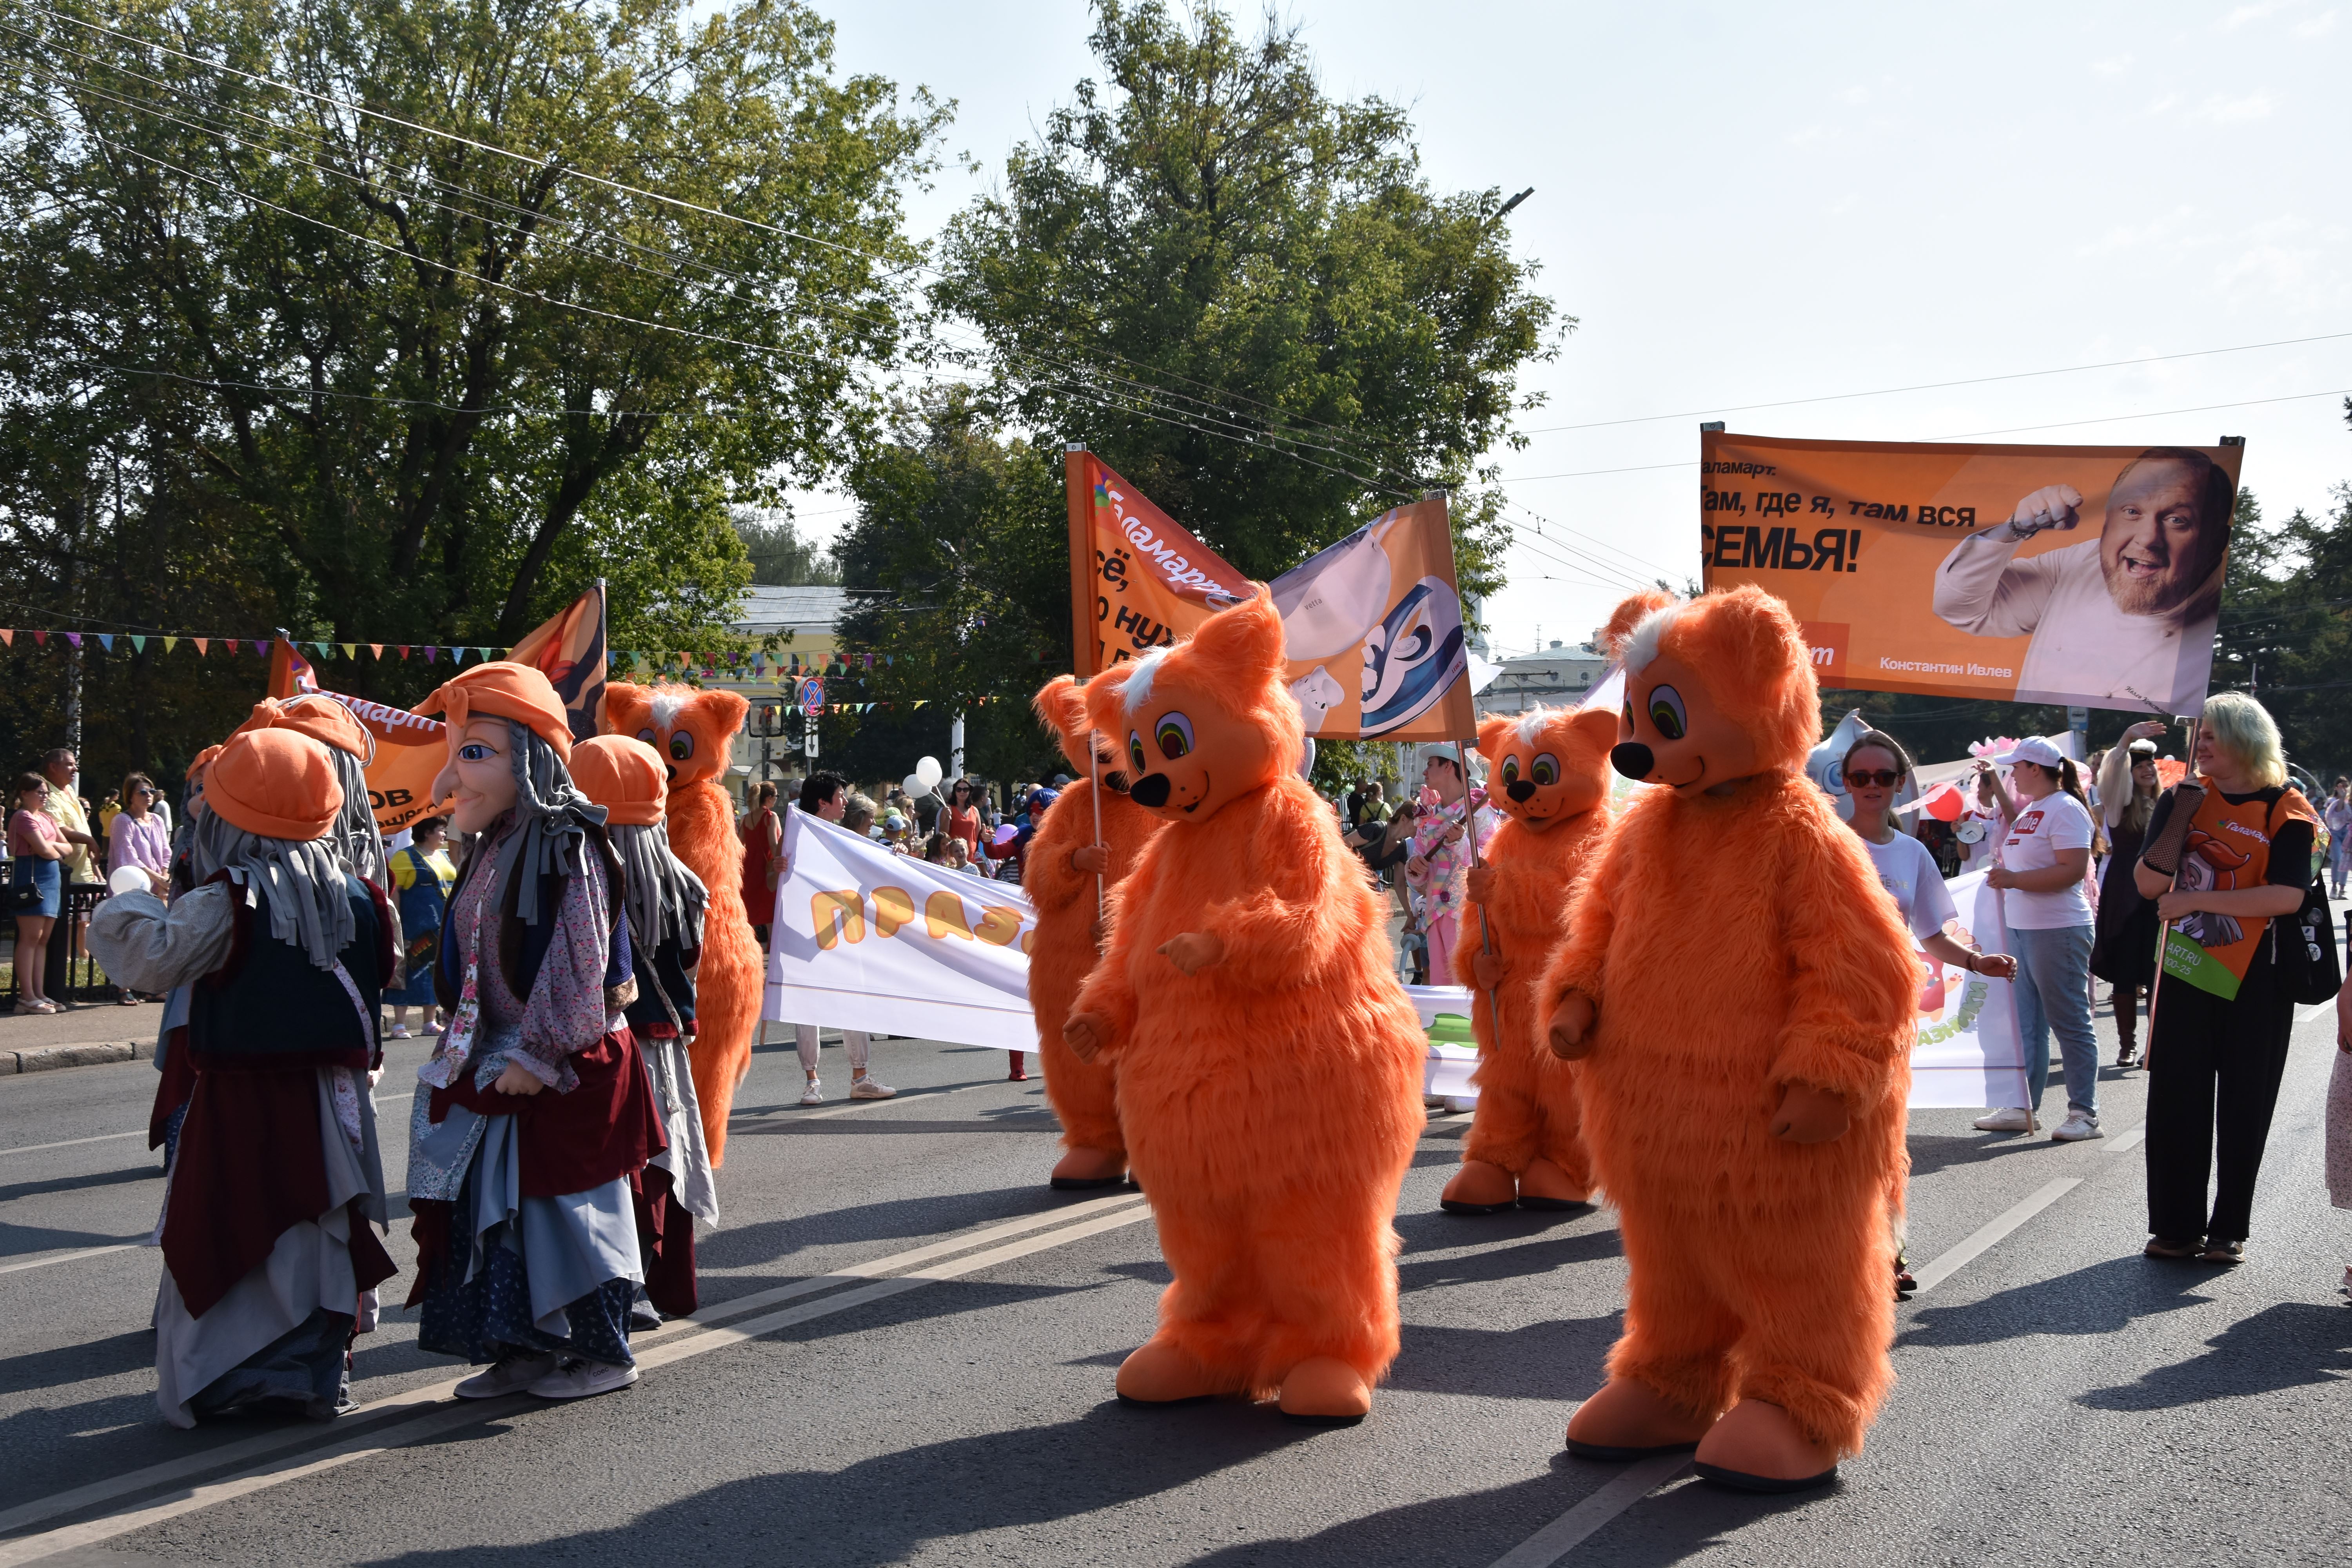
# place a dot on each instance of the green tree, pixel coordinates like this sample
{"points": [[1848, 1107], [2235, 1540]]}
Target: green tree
{"points": [[2286, 629], [377, 381], [779, 557], [1243, 293]]}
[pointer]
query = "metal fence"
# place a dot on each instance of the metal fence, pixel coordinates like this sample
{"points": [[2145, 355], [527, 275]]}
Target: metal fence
{"points": [[71, 976]]}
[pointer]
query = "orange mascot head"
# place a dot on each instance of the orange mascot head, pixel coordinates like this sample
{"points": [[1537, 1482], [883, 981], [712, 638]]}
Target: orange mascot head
{"points": [[1717, 690], [692, 729], [1549, 764], [1061, 706], [1204, 722]]}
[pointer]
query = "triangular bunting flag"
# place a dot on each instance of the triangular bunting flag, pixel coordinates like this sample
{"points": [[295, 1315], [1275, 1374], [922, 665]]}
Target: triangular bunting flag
{"points": [[41, 638], [138, 643], [74, 637], [7, 635], [404, 649], [262, 648], [375, 650], [428, 652], [171, 643], [106, 639], [351, 650], [203, 646]]}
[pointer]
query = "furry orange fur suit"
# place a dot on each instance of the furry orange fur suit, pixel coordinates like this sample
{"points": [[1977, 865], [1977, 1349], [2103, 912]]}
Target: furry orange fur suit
{"points": [[1269, 1063], [1548, 771], [1738, 995], [694, 732], [1059, 874]]}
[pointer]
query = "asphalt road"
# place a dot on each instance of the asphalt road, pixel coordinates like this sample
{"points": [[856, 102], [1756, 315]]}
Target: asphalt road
{"points": [[914, 1339]]}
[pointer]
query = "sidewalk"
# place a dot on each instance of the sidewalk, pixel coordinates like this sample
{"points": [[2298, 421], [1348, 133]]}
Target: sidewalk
{"points": [[78, 1036]]}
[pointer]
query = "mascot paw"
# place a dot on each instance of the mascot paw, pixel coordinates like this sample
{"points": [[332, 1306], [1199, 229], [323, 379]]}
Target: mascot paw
{"points": [[1083, 1168], [1324, 1391], [1157, 1372], [1478, 883], [1810, 1115], [1758, 1448], [1479, 1188], [1092, 859], [1544, 1185], [1194, 950], [1629, 1420], [1491, 970], [1570, 1030], [1083, 1033]]}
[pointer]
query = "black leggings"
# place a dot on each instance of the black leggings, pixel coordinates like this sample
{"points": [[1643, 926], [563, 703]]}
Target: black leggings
{"points": [[2213, 1076]]}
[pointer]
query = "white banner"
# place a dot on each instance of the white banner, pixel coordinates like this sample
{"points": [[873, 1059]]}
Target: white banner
{"points": [[1969, 1053], [863, 939]]}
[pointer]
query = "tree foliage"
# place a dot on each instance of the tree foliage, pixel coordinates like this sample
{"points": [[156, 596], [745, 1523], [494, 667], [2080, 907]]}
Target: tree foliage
{"points": [[272, 351], [2286, 629]]}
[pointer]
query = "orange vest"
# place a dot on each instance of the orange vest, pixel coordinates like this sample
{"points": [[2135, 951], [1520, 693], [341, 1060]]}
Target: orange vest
{"points": [[2228, 848]]}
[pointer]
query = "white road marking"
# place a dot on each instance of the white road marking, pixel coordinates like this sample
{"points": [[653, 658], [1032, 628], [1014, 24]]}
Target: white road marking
{"points": [[70, 1256], [1571, 1529], [2124, 1142], [432, 1417], [1990, 1233], [138, 1132]]}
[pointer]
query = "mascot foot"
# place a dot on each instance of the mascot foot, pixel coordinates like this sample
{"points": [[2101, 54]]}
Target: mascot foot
{"points": [[1629, 1420], [1157, 1372], [1324, 1391], [1479, 1187], [1084, 1168], [1544, 1185], [1758, 1448]]}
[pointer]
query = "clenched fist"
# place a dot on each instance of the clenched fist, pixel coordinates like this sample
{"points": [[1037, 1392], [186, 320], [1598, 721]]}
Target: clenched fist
{"points": [[2052, 506], [1479, 883], [1091, 858], [1083, 1033], [1810, 1115], [1194, 950], [1571, 1026], [1491, 968]]}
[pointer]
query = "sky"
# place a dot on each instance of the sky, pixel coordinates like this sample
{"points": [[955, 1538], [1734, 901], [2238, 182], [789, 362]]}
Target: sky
{"points": [[1745, 204]]}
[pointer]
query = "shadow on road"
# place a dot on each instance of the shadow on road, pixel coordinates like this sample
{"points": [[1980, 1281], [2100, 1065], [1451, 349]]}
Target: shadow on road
{"points": [[149, 1171], [2286, 1345], [2104, 1298]]}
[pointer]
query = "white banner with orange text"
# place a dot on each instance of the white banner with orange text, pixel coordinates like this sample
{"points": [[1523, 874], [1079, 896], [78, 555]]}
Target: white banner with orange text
{"points": [[1969, 1053], [865, 939]]}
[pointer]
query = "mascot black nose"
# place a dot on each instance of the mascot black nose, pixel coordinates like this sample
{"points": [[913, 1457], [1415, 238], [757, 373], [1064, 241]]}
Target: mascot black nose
{"points": [[1520, 789], [1150, 790], [1633, 759]]}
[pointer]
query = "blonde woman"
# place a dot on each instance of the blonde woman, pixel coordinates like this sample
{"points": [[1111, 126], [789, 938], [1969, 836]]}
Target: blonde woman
{"points": [[2232, 867]]}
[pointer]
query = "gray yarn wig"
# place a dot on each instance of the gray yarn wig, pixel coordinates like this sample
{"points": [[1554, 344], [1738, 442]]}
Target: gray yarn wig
{"points": [[310, 906], [552, 820], [666, 898]]}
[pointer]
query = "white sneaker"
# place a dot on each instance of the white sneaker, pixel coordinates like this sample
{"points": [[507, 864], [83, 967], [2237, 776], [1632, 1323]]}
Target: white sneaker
{"points": [[399, 1032], [580, 1378], [509, 1376], [813, 1094], [2075, 1129], [870, 1088], [2012, 1119]]}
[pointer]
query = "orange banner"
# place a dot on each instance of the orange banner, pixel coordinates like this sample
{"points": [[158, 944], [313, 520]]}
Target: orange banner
{"points": [[1375, 635], [569, 649], [409, 748], [2086, 576]]}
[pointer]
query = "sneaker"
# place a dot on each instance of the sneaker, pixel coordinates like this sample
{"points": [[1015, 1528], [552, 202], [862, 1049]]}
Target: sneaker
{"points": [[870, 1088], [399, 1032], [580, 1378], [511, 1375], [813, 1094], [2077, 1127], [2012, 1119]]}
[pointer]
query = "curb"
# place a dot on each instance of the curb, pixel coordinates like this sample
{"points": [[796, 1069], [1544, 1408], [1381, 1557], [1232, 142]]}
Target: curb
{"points": [[50, 1057]]}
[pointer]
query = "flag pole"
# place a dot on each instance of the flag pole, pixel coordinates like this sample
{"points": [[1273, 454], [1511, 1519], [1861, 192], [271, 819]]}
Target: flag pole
{"points": [[1094, 794]]}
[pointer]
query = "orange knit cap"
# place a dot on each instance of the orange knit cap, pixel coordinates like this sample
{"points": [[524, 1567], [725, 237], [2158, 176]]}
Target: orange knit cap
{"points": [[503, 689], [276, 782], [623, 776], [322, 719], [203, 759]]}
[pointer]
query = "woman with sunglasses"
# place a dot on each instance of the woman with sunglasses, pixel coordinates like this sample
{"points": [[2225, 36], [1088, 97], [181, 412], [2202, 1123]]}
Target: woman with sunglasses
{"points": [[964, 816]]}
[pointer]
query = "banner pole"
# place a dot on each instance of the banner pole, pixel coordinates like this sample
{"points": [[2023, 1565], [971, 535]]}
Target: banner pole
{"points": [[1094, 794]]}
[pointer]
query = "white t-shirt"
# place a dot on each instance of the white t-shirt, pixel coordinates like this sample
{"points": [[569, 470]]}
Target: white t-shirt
{"points": [[2057, 821], [1909, 873]]}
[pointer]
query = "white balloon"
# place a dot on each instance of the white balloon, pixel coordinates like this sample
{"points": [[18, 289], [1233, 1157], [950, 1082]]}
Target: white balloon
{"points": [[913, 785], [930, 773], [129, 880]]}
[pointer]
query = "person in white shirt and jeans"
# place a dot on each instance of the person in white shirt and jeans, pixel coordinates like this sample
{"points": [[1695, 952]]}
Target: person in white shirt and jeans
{"points": [[2044, 861]]}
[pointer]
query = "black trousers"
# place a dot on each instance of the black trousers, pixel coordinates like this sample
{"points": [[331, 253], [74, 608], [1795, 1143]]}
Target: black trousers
{"points": [[2213, 1079]]}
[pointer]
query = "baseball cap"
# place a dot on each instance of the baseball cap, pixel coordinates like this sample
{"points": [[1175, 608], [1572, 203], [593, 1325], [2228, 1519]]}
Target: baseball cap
{"points": [[2035, 750]]}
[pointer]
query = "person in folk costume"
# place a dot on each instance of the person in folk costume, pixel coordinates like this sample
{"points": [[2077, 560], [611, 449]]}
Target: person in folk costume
{"points": [[271, 1262], [349, 748], [665, 905], [534, 1116], [175, 1080]]}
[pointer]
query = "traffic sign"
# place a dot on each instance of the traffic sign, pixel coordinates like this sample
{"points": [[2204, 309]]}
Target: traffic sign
{"points": [[811, 693]]}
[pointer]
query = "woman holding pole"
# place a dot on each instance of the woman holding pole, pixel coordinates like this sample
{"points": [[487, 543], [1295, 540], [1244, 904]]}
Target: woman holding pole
{"points": [[2227, 859]]}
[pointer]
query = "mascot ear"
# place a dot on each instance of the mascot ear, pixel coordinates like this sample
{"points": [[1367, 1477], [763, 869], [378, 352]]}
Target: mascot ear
{"points": [[1248, 637], [1631, 612], [724, 709], [1597, 727], [1061, 705], [1491, 730], [618, 713]]}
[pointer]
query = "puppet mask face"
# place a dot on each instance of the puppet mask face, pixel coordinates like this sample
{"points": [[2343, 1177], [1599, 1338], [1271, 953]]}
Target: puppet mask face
{"points": [[1671, 733], [691, 730], [1187, 758], [481, 773], [1552, 770]]}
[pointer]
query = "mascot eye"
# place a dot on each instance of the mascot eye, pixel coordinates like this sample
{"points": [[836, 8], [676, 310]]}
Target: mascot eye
{"points": [[1174, 734], [1135, 753], [1667, 712], [1545, 769], [475, 751], [681, 746], [648, 737], [1510, 770]]}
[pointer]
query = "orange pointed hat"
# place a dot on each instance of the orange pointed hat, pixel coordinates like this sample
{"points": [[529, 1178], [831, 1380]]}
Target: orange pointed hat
{"points": [[322, 718], [275, 782], [203, 759], [503, 689], [623, 776]]}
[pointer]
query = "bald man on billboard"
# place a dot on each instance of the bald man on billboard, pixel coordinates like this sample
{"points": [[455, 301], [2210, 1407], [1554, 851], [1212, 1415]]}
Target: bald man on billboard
{"points": [[2125, 620]]}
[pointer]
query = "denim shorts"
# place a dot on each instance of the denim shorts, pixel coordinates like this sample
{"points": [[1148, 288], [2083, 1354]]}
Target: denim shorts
{"points": [[32, 871]]}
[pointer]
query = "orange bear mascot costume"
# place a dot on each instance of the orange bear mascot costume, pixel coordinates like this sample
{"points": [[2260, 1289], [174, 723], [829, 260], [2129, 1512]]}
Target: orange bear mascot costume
{"points": [[694, 732], [1548, 771], [1269, 1063], [1059, 875], [1738, 995]]}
